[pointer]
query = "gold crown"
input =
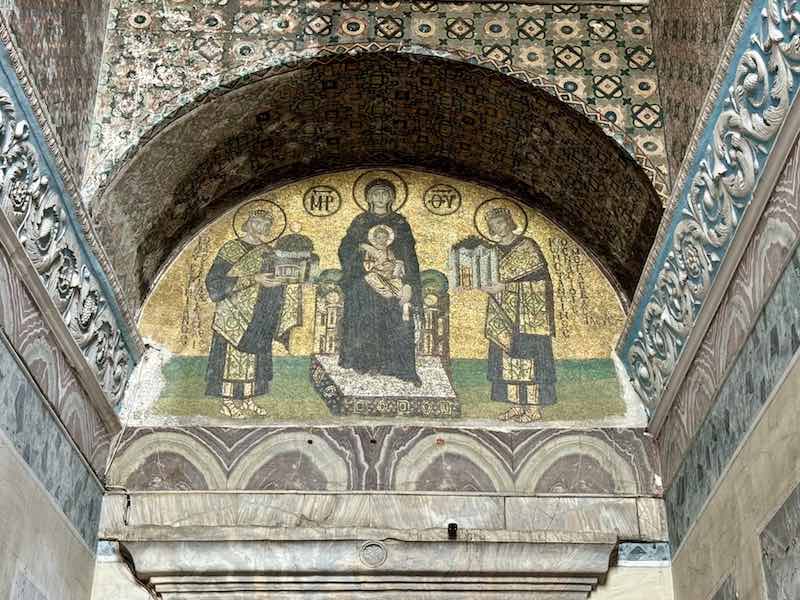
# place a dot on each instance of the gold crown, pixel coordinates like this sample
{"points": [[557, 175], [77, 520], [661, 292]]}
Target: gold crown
{"points": [[261, 213], [498, 211]]}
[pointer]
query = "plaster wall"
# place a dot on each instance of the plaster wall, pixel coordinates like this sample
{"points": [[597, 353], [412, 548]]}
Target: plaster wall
{"points": [[627, 583], [718, 560], [42, 556]]}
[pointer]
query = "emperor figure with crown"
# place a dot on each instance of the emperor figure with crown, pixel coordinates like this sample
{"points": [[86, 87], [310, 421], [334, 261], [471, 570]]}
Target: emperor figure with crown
{"points": [[520, 322], [252, 309]]}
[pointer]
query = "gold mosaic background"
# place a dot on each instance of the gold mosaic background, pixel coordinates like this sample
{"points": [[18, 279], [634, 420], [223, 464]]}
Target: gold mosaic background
{"points": [[178, 314]]}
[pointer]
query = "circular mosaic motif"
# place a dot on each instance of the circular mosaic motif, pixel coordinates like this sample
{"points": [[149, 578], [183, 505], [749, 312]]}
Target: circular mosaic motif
{"points": [[442, 199], [322, 201]]}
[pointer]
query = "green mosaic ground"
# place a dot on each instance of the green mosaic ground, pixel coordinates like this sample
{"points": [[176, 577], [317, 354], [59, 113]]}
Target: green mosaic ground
{"points": [[587, 389]]}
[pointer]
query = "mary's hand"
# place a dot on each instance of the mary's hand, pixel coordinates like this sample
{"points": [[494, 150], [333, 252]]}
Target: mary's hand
{"points": [[267, 280]]}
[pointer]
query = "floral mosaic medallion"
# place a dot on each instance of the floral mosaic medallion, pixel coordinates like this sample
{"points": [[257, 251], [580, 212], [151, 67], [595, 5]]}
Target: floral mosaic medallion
{"points": [[385, 295]]}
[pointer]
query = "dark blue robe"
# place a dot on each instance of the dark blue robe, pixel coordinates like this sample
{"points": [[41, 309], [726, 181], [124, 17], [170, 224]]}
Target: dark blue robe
{"points": [[375, 338]]}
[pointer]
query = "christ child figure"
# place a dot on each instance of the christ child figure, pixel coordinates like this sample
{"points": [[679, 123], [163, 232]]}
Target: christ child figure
{"points": [[384, 273]]}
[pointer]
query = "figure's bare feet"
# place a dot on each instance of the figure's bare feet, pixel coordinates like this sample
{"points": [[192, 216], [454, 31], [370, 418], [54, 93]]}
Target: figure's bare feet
{"points": [[522, 414]]}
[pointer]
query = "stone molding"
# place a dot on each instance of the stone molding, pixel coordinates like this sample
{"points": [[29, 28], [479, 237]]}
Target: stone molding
{"points": [[717, 195], [40, 218], [640, 521], [65, 337], [70, 193], [679, 180], [376, 563]]}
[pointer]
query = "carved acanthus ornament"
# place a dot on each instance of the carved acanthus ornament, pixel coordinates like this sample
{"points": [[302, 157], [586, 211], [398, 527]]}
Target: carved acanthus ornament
{"points": [[715, 197], [39, 217]]}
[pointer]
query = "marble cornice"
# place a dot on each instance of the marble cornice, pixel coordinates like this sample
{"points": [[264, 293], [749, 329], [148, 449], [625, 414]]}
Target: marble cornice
{"points": [[723, 183], [68, 179], [66, 343], [353, 562], [679, 180]]}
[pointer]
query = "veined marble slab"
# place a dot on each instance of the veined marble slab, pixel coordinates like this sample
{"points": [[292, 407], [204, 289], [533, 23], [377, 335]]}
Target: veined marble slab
{"points": [[348, 563]]}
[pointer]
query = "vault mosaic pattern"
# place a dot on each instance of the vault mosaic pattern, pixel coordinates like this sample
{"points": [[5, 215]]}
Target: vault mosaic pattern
{"points": [[762, 264], [558, 461], [780, 550], [719, 189], [381, 293], [689, 49], [41, 215], [165, 55], [38, 438], [761, 362], [63, 49], [31, 338], [607, 203]]}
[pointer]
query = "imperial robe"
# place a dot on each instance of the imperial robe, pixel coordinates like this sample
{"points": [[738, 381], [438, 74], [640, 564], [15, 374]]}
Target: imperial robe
{"points": [[520, 323], [247, 318], [375, 337]]}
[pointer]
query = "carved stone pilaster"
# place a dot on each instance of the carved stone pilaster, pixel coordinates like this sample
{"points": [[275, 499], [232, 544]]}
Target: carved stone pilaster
{"points": [[718, 190], [39, 216]]}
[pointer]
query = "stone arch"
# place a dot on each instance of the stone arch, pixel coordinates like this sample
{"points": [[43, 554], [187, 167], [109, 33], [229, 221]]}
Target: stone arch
{"points": [[459, 450], [599, 455], [233, 79], [464, 127], [188, 453], [307, 449]]}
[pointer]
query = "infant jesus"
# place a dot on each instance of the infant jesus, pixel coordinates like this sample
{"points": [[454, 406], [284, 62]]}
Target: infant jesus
{"points": [[384, 272]]}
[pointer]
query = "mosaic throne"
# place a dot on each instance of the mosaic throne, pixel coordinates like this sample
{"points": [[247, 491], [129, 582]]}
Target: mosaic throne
{"points": [[346, 392]]}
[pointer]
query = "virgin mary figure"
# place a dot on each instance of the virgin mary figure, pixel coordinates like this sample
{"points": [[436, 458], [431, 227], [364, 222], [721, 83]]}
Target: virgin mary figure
{"points": [[382, 290]]}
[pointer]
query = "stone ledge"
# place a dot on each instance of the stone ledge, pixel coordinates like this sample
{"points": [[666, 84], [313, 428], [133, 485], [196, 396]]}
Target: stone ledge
{"points": [[172, 515], [378, 563]]}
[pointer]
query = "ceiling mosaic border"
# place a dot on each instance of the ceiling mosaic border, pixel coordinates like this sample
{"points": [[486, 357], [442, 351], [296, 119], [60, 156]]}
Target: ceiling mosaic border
{"points": [[169, 62], [45, 220], [760, 85]]}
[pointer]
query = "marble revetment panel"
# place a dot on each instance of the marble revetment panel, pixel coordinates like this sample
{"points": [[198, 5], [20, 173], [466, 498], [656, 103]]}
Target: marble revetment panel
{"points": [[762, 361], [780, 550], [592, 462], [27, 332], [37, 436]]}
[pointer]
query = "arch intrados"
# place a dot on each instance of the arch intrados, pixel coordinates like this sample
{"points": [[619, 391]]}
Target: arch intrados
{"points": [[232, 80], [180, 118]]}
